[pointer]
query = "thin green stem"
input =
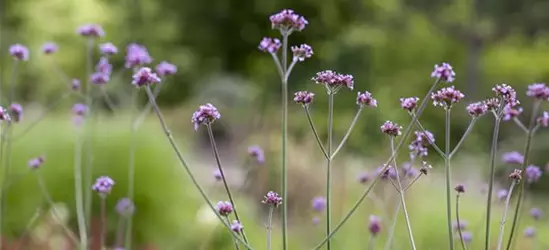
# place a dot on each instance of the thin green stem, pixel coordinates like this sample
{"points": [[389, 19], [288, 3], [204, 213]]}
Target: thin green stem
{"points": [[493, 153], [412, 182], [81, 219], [269, 227], [391, 232], [520, 125], [131, 169], [12, 81], [467, 132], [103, 233], [504, 216], [347, 134], [458, 221], [329, 168], [402, 198], [313, 128], [108, 99], [432, 143], [186, 167], [87, 134], [362, 197], [289, 70], [448, 178], [50, 202], [120, 232], [372, 243], [527, 146], [284, 140], [220, 168]]}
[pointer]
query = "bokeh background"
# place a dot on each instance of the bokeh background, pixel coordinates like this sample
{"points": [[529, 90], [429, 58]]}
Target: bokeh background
{"points": [[389, 46]]}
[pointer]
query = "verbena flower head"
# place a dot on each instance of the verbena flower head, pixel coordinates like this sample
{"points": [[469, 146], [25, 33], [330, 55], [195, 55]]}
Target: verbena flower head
{"points": [[319, 203], [145, 77], [100, 78], [477, 109], [270, 45], [104, 66], [166, 69], [446, 97], [467, 236], [507, 94], [125, 207], [391, 129], [35, 163], [364, 177], [287, 21], [333, 80], [302, 52], [536, 213], [513, 157], [304, 97], [103, 185], [236, 226], [387, 173], [4, 114], [91, 30], [49, 48], [366, 100], [79, 109], [460, 188], [224, 208], [16, 112], [137, 55], [108, 49], [217, 175], [408, 170], [502, 194], [510, 113], [444, 72], [272, 198], [492, 103], [463, 224], [206, 114], [538, 91], [75, 84], [375, 225], [19, 52], [418, 147], [257, 153], [530, 232], [425, 167], [516, 175], [532, 174], [409, 103], [543, 120]]}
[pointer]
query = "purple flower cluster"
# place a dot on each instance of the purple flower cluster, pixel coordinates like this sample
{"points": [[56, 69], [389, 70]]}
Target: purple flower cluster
{"points": [[206, 114], [236, 226], [4, 114], [477, 109], [462, 225], [507, 94], [137, 55], [509, 113], [409, 171], [145, 77], [35, 163], [16, 112], [49, 48], [108, 49], [102, 73], [543, 120], [257, 153], [530, 232], [502, 194], [444, 72], [166, 69], [302, 52], [532, 174], [391, 129], [538, 91], [374, 225], [513, 157], [409, 103], [224, 208], [418, 147], [91, 30], [386, 173], [304, 97], [319, 203], [125, 207], [287, 21], [366, 100], [536, 213], [334, 80], [364, 177], [75, 84], [272, 198], [103, 185], [270, 45], [460, 188], [19, 52], [217, 175], [79, 109], [446, 97]]}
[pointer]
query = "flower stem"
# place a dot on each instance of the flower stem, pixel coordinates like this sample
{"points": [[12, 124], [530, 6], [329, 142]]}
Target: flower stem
{"points": [[412, 182], [186, 167], [131, 168], [313, 128], [432, 143], [102, 243], [227, 189], [269, 227], [391, 232], [493, 152], [87, 133], [79, 192], [329, 168], [527, 146], [459, 224], [362, 197], [284, 140], [120, 233], [467, 132], [372, 242], [448, 178], [348, 133], [504, 216]]}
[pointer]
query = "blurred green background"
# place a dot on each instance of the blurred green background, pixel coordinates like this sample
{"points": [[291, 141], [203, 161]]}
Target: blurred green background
{"points": [[389, 46]]}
